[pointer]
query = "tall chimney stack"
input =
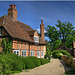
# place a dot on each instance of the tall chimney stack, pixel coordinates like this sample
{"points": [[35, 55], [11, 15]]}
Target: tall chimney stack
{"points": [[12, 12], [42, 30]]}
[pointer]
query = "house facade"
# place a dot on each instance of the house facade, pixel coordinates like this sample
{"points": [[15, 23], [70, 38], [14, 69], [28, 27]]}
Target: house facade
{"points": [[25, 40]]}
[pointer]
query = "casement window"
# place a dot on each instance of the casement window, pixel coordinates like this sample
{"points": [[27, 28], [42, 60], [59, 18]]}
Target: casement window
{"points": [[31, 53], [24, 53], [16, 52], [36, 39], [0, 31], [38, 54], [41, 53]]}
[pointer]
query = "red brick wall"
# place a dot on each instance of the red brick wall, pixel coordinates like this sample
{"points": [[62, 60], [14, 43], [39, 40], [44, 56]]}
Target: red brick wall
{"points": [[21, 45]]}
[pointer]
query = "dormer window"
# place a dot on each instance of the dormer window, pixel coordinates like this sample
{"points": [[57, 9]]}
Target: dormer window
{"points": [[36, 39], [0, 32]]}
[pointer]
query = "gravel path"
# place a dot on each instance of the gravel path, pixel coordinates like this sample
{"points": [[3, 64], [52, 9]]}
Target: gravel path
{"points": [[55, 67]]}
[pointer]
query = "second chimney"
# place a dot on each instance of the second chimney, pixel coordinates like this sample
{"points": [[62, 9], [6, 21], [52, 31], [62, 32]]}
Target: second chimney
{"points": [[42, 30], [12, 12]]}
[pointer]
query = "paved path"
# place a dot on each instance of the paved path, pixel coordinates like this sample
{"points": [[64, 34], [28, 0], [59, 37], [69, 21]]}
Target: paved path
{"points": [[55, 67]]}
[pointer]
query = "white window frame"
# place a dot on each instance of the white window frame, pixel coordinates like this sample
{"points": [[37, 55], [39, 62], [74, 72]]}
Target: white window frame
{"points": [[37, 38], [41, 53], [0, 31], [16, 52], [26, 53], [32, 53]]}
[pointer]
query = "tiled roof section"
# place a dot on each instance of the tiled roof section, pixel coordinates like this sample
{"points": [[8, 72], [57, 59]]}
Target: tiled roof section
{"points": [[25, 26], [31, 33], [1, 20], [15, 30], [18, 29]]}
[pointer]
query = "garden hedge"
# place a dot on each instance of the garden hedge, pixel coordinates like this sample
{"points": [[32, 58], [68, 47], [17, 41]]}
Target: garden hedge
{"points": [[11, 63], [35, 60]]}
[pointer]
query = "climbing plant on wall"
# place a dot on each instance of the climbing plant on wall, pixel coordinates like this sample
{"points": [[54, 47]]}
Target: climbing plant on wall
{"points": [[7, 45]]}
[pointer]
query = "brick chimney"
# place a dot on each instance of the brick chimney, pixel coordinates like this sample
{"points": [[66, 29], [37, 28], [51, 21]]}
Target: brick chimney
{"points": [[42, 30], [12, 12]]}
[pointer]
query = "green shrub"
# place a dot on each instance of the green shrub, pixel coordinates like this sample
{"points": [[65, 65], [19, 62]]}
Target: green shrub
{"points": [[35, 60], [47, 56], [44, 61], [55, 52], [29, 63], [58, 53], [48, 52], [64, 52], [11, 62]]}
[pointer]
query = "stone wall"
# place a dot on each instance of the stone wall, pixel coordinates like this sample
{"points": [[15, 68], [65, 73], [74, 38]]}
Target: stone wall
{"points": [[70, 61]]}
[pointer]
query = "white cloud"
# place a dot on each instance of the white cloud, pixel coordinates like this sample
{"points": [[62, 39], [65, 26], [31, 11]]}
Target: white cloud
{"points": [[39, 30]]}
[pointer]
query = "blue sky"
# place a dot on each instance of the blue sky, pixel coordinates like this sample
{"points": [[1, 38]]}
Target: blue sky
{"points": [[31, 13]]}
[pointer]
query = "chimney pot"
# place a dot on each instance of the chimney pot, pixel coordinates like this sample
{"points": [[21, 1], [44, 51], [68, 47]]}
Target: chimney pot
{"points": [[41, 21], [12, 6], [12, 12]]}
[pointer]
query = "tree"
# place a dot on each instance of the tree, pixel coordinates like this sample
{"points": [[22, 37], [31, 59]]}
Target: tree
{"points": [[65, 30], [62, 34], [53, 35]]}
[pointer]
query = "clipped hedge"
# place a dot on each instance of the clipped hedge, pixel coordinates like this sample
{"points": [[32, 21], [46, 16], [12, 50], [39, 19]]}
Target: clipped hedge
{"points": [[44, 61], [35, 60], [12, 63], [29, 63]]}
